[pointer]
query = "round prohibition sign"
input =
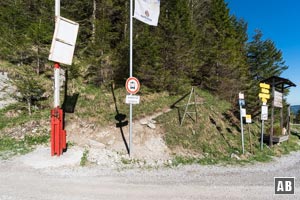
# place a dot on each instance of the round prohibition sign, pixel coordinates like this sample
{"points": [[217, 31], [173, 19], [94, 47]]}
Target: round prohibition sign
{"points": [[132, 85]]}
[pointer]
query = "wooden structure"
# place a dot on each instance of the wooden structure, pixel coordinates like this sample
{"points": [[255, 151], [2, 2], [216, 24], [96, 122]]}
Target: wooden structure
{"points": [[278, 85], [187, 111]]}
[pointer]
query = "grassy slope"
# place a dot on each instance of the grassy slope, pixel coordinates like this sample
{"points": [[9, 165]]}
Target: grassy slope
{"points": [[212, 139]]}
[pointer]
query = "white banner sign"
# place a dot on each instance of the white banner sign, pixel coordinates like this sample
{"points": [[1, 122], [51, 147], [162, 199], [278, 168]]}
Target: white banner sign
{"points": [[278, 99], [147, 11]]}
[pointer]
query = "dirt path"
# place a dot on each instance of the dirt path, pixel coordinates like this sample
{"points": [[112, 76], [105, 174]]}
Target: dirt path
{"points": [[21, 180]]}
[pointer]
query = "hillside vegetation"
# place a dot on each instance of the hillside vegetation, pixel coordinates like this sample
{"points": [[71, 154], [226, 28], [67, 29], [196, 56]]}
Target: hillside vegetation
{"points": [[197, 43]]}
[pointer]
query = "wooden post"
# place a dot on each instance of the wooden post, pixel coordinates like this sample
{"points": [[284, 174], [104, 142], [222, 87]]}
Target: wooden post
{"points": [[250, 138], [272, 115], [281, 109], [288, 123]]}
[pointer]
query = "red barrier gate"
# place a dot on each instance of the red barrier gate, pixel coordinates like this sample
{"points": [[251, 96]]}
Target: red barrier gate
{"points": [[58, 135]]}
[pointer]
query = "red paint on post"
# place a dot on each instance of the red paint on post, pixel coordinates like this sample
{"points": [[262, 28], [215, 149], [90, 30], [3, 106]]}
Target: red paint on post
{"points": [[56, 65], [58, 135]]}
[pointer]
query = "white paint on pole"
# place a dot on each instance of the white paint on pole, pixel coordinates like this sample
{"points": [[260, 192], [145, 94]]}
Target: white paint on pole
{"points": [[56, 69], [57, 8], [56, 87]]}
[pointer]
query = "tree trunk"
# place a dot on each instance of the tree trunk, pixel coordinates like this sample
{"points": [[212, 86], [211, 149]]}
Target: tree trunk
{"points": [[38, 51], [29, 105], [38, 61], [94, 21]]}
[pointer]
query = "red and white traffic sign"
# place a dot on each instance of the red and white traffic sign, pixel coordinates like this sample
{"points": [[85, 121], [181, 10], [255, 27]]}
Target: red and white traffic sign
{"points": [[132, 85]]}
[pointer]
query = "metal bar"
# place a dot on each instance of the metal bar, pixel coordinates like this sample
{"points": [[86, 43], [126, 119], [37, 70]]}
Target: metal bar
{"points": [[131, 36], [262, 135], [56, 65], [130, 74], [57, 8], [242, 129], [56, 85], [195, 104], [187, 105], [250, 140]]}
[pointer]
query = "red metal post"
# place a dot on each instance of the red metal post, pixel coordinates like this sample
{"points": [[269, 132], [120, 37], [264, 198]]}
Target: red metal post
{"points": [[58, 135], [52, 133]]}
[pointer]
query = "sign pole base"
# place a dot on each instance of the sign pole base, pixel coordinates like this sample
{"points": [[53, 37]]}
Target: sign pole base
{"points": [[58, 135]]}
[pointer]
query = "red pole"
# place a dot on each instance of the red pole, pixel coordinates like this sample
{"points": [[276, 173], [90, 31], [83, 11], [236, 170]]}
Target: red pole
{"points": [[58, 135]]}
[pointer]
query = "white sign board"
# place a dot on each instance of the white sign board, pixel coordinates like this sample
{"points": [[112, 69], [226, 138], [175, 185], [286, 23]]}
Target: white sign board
{"points": [[241, 95], [64, 40], [248, 119], [243, 112], [132, 99], [264, 112], [278, 99]]}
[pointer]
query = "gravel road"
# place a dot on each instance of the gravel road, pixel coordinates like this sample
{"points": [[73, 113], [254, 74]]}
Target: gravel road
{"points": [[19, 180]]}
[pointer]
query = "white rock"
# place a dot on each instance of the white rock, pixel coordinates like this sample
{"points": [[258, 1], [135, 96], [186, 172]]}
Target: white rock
{"points": [[96, 144], [143, 122], [150, 125], [235, 156]]}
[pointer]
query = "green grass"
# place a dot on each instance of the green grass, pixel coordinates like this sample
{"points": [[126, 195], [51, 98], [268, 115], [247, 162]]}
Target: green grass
{"points": [[21, 117], [265, 155], [97, 105], [209, 135], [84, 158], [295, 129], [10, 147], [213, 137]]}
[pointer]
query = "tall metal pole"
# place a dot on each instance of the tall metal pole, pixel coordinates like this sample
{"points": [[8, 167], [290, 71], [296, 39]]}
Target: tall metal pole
{"points": [[130, 73], [56, 66], [242, 129], [262, 135], [56, 85], [57, 8]]}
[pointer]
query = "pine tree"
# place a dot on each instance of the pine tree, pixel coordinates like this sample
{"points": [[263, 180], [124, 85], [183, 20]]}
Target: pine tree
{"points": [[264, 61], [29, 87], [222, 49]]}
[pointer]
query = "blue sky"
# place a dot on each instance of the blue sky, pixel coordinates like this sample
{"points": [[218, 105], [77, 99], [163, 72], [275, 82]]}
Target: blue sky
{"points": [[279, 20]]}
